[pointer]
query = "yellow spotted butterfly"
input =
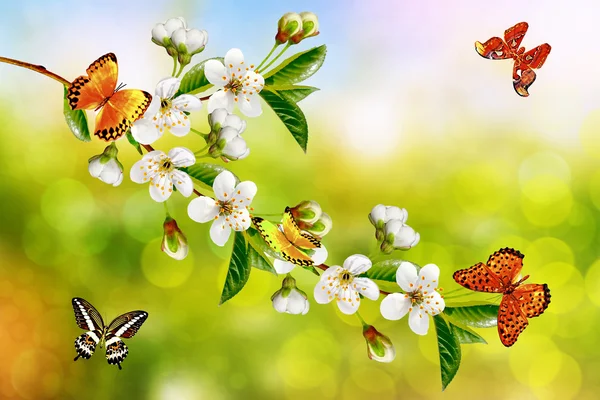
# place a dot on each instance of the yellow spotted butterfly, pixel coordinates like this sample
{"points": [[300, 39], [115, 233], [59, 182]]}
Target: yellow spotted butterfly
{"points": [[288, 242]]}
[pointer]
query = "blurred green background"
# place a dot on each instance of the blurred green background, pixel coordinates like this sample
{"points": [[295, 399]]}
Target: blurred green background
{"points": [[408, 115]]}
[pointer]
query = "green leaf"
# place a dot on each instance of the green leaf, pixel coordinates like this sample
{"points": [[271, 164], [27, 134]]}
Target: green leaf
{"points": [[386, 270], [206, 172], [298, 67], [256, 260], [289, 113], [134, 143], [449, 349], [77, 121], [477, 316], [239, 270], [312, 269], [466, 335], [194, 81], [294, 93]]}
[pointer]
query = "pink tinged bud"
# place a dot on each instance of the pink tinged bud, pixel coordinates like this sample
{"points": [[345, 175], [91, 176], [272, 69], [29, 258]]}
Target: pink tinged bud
{"points": [[289, 25], [310, 27], [322, 226], [308, 211], [379, 346], [174, 242]]}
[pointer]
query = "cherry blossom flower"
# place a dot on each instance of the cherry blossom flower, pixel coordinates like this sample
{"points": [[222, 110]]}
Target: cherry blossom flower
{"points": [[341, 283], [165, 113], [229, 210], [106, 166], [161, 170], [289, 299], [399, 236], [239, 82], [419, 300]]}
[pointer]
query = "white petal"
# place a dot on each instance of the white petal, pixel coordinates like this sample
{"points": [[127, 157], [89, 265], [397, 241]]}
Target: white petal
{"points": [[216, 73], [220, 231], [406, 276], [173, 24], [167, 87], [296, 302], [428, 278], [320, 255], [145, 132], [119, 181], [235, 122], [236, 148], [196, 39], [234, 61], [221, 99], [111, 172], [160, 189], [357, 264], [182, 182], [203, 209], [394, 306], [223, 186], [250, 105], [434, 303], [253, 83], [348, 301], [182, 157], [241, 220], [377, 214], [95, 167], [218, 116], [283, 267], [153, 108], [367, 288], [280, 303], [244, 193], [179, 37], [306, 307], [328, 285], [137, 172], [418, 321], [187, 102]]}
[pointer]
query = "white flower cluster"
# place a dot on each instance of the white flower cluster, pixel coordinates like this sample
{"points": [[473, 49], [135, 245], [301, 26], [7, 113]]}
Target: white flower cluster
{"points": [[391, 229]]}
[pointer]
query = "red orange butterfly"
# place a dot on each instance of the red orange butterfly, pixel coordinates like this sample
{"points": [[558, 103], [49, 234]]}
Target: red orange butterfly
{"points": [[525, 62], [98, 90], [519, 302]]}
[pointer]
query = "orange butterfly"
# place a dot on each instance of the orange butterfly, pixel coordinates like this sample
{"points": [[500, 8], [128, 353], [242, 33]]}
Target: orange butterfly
{"points": [[498, 49], [519, 302], [98, 91]]}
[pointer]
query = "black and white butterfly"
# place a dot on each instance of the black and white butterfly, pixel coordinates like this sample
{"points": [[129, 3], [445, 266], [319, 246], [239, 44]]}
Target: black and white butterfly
{"points": [[124, 326]]}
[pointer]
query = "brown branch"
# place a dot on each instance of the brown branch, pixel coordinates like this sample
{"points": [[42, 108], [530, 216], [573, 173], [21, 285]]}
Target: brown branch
{"points": [[37, 68]]}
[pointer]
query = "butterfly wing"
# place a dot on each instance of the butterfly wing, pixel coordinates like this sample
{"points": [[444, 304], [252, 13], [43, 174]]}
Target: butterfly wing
{"points": [[89, 91], [523, 74], [279, 242], [506, 264], [116, 351], [85, 344], [494, 49], [478, 278], [120, 112], [511, 320], [124, 326], [514, 36], [293, 233], [533, 299], [86, 315]]}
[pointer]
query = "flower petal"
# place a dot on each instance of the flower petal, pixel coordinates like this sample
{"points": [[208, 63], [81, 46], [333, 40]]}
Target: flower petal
{"points": [[320, 255], [357, 264], [428, 278], [241, 219], [153, 108], [220, 231], [244, 193], [224, 185], [167, 87], [235, 122], [253, 83], [418, 321], [328, 285], [145, 132], [348, 301], [280, 303], [216, 73], [367, 288], [182, 157], [203, 209], [296, 303], [221, 99], [139, 173], [394, 306], [234, 62], [250, 105], [182, 182], [406, 276], [161, 188], [283, 267], [434, 304], [187, 102]]}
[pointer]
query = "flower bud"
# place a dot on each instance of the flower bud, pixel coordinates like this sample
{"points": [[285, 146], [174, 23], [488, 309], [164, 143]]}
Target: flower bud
{"points": [[308, 211], [322, 226], [310, 27], [106, 166], [188, 42], [289, 25], [229, 145], [380, 215], [221, 118], [289, 299], [398, 236], [174, 242], [379, 346], [161, 33]]}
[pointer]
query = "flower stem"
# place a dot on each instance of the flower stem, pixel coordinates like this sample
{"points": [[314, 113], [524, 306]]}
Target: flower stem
{"points": [[278, 55], [174, 65], [204, 135], [37, 68], [267, 57], [166, 208], [180, 70], [364, 324]]}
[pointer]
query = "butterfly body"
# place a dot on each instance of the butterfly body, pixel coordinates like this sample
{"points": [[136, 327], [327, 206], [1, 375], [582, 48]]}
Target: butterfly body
{"points": [[99, 335], [289, 240], [117, 109], [510, 48], [519, 301]]}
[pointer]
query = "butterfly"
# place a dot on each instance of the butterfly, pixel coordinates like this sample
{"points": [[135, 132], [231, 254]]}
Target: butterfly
{"points": [[498, 49], [98, 90], [519, 302], [124, 326], [288, 242]]}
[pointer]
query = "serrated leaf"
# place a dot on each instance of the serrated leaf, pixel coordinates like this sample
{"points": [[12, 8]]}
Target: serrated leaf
{"points": [[477, 316], [256, 260], [76, 120], [467, 336], [206, 172], [449, 349], [134, 143], [294, 93], [298, 67], [290, 114], [239, 270], [194, 81], [386, 270]]}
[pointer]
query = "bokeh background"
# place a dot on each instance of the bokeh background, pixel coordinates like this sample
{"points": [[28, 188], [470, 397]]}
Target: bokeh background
{"points": [[408, 115]]}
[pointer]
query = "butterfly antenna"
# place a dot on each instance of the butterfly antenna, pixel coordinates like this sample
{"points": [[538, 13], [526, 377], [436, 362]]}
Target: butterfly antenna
{"points": [[121, 86]]}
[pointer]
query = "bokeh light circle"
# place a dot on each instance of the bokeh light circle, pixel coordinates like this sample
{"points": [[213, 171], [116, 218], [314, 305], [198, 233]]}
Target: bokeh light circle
{"points": [[163, 271], [546, 200], [68, 206]]}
